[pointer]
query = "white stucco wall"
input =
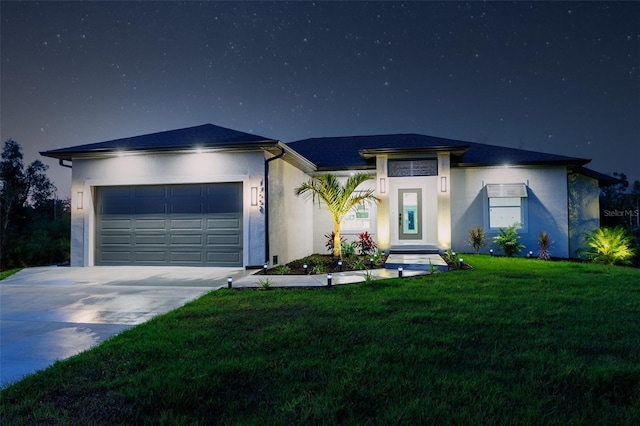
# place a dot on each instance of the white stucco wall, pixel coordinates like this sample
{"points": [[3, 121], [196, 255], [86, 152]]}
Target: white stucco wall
{"points": [[291, 217], [546, 205], [155, 169]]}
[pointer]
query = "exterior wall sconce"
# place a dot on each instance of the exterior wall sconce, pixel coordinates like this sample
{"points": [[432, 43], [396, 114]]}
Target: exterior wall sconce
{"points": [[443, 184], [383, 185], [254, 195], [79, 201]]}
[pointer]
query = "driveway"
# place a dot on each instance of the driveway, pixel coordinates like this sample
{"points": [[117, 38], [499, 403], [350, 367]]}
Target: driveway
{"points": [[52, 313]]}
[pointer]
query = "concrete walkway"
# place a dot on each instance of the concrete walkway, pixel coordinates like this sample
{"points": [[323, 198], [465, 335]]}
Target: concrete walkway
{"points": [[52, 313]]}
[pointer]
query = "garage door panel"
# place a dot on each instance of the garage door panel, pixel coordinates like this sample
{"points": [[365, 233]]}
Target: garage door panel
{"points": [[150, 191], [224, 223], [115, 257], [154, 256], [116, 224], [151, 224], [199, 224], [224, 258], [179, 224], [186, 206], [186, 240], [194, 257], [152, 206], [116, 239], [150, 239], [224, 240]]}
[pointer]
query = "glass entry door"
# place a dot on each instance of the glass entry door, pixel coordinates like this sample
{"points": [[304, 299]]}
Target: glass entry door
{"points": [[410, 214]]}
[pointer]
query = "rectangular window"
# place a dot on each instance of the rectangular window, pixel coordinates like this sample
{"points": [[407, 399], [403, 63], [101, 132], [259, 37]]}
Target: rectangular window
{"points": [[506, 205]]}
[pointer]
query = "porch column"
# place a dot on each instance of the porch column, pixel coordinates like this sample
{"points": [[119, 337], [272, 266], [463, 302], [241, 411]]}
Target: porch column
{"points": [[384, 239], [444, 201]]}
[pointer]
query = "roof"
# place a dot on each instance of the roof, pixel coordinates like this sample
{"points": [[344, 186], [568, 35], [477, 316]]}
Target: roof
{"points": [[603, 180], [204, 136], [335, 153]]}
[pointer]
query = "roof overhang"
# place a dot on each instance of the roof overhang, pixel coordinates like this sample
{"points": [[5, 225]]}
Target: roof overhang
{"points": [[271, 146], [372, 153], [603, 180]]}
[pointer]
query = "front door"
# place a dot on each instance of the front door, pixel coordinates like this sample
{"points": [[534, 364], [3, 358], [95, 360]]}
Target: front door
{"points": [[410, 214]]}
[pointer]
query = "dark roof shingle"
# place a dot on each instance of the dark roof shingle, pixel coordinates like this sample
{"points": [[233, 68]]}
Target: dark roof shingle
{"points": [[205, 136], [346, 152]]}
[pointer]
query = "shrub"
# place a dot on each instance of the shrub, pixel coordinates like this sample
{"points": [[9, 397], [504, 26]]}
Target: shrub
{"points": [[358, 264], [508, 240], [477, 238], [283, 269], [317, 269], [366, 244], [349, 249], [329, 243], [609, 245], [544, 242]]}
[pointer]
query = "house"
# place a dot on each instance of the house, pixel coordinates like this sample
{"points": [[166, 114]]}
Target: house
{"points": [[212, 196]]}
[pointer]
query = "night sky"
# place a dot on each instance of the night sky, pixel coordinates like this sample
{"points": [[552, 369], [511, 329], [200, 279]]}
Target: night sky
{"points": [[558, 77]]}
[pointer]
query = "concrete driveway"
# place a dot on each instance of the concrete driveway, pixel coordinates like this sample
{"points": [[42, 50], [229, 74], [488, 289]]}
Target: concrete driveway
{"points": [[52, 313]]}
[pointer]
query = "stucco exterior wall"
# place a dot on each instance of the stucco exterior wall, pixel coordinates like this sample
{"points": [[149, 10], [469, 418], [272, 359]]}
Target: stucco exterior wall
{"points": [[88, 174], [584, 210], [291, 217], [545, 208]]}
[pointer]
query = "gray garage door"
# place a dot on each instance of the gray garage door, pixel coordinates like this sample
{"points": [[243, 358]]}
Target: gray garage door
{"points": [[181, 225]]}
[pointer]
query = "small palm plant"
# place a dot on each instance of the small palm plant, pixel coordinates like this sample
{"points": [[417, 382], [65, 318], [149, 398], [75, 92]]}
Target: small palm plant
{"points": [[609, 246], [477, 238], [509, 240], [544, 242], [339, 199]]}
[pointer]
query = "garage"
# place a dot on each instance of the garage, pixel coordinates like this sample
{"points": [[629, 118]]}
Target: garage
{"points": [[177, 225]]}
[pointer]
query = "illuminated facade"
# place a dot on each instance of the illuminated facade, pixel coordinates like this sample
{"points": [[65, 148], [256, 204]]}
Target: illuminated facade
{"points": [[210, 196]]}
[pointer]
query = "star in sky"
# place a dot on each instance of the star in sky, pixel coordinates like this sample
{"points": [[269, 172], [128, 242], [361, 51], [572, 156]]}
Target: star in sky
{"points": [[509, 74]]}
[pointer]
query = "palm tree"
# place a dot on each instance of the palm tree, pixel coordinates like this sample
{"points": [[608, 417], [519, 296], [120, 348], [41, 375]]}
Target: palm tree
{"points": [[339, 199]]}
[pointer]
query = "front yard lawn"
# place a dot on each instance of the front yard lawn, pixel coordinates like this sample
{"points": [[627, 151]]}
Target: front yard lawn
{"points": [[514, 341]]}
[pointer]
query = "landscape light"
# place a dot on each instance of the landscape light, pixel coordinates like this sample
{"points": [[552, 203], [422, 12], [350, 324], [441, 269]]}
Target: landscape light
{"points": [[329, 277], [399, 271], [229, 282]]}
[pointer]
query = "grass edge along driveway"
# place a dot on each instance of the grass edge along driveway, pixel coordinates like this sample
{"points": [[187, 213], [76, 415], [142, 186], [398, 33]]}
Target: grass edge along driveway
{"points": [[516, 341]]}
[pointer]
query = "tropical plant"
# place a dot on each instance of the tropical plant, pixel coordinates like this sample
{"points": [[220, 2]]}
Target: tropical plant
{"points": [[378, 258], [609, 245], [544, 242], [348, 249], [366, 244], [358, 264], [368, 277], [283, 269], [340, 199], [477, 238], [265, 283], [509, 240], [330, 236]]}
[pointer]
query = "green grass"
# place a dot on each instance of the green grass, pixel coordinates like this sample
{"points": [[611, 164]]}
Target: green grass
{"points": [[8, 273], [514, 341]]}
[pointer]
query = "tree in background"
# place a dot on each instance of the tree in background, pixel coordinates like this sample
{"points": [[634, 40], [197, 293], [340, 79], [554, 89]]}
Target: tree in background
{"points": [[30, 233]]}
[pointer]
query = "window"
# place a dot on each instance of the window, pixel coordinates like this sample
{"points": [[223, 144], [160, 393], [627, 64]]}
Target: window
{"points": [[507, 204]]}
